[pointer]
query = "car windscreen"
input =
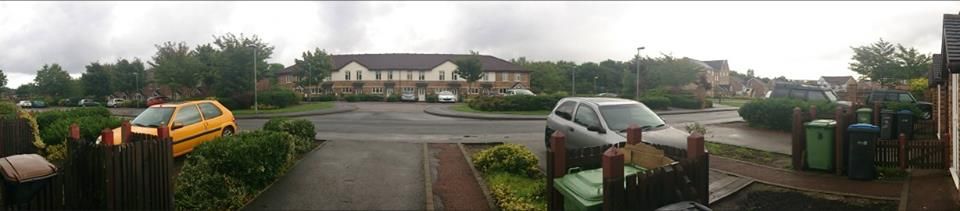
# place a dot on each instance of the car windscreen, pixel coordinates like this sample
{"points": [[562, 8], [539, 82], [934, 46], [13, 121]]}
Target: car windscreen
{"points": [[619, 117], [153, 117]]}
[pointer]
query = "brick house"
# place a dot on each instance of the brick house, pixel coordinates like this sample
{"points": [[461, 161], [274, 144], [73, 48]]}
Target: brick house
{"points": [[943, 77], [836, 83], [757, 88], [717, 73], [422, 74]]}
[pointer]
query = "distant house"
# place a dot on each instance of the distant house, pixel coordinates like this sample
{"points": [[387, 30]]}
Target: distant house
{"points": [[836, 83], [717, 73], [757, 88], [738, 87]]}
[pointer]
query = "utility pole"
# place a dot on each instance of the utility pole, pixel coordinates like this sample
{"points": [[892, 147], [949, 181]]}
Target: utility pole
{"points": [[573, 82], [256, 108], [637, 92]]}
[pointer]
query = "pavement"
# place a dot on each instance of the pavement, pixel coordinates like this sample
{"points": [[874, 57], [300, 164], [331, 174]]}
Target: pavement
{"points": [[930, 189], [337, 108], [446, 111], [347, 175]]}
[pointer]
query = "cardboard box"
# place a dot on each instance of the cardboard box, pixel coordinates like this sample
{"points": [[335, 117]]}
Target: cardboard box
{"points": [[645, 156]]}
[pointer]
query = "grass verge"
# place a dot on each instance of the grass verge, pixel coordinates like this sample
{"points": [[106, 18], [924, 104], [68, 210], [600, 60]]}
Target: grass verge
{"points": [[465, 108], [771, 159], [512, 189], [297, 108], [732, 102]]}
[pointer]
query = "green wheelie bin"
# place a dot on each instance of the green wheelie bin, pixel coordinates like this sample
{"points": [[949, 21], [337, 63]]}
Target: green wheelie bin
{"points": [[820, 144], [865, 115], [584, 190]]}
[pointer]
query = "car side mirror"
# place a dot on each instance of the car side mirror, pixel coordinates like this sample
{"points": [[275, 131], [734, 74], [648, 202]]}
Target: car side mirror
{"points": [[597, 129], [177, 125]]}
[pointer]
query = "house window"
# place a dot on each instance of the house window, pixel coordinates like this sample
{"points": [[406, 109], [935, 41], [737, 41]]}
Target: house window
{"points": [[408, 89], [377, 90], [346, 75], [475, 91], [486, 77], [359, 76], [503, 76], [453, 75], [389, 75], [503, 91], [518, 77], [442, 74], [422, 76], [410, 75], [377, 76]]}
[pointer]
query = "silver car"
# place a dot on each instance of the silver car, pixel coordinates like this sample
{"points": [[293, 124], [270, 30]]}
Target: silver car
{"points": [[408, 97], [595, 121], [446, 97]]}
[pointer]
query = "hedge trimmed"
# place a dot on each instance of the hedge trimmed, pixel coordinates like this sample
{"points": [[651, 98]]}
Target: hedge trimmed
{"points": [[656, 102], [224, 173], [777, 113], [363, 98], [323, 98], [55, 125], [280, 98], [514, 103], [297, 127]]}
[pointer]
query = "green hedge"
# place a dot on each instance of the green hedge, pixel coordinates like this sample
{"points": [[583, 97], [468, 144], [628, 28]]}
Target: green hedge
{"points": [[513, 177], [432, 98], [656, 102], [777, 113], [224, 173], [55, 125], [322, 98], [514, 103], [363, 98], [393, 98], [298, 127], [509, 158], [278, 97]]}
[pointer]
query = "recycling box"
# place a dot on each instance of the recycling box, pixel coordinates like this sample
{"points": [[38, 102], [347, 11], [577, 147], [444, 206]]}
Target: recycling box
{"points": [[584, 190], [905, 123], [820, 144], [887, 129], [865, 115], [862, 146]]}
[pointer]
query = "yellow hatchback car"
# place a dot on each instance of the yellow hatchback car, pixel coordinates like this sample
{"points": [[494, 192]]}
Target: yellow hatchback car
{"points": [[190, 123]]}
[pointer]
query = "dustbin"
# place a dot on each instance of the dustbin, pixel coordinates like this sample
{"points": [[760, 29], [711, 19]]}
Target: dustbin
{"points": [[684, 206], [584, 190], [862, 146], [905, 123], [820, 144], [887, 129], [24, 175], [865, 115]]}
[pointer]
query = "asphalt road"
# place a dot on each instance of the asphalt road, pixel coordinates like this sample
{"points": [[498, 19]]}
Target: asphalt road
{"points": [[406, 122]]}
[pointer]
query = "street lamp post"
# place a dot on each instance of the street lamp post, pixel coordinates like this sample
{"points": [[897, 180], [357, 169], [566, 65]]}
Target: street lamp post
{"points": [[637, 92], [256, 108], [573, 82]]}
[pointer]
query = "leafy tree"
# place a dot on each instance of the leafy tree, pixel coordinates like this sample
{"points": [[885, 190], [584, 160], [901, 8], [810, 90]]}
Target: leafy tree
{"points": [[885, 62], [313, 67], [234, 75], [210, 62], [52, 80], [663, 72], [750, 74], [26, 90], [272, 71], [469, 68], [913, 64], [3, 79], [546, 77], [127, 76], [174, 66], [96, 80]]}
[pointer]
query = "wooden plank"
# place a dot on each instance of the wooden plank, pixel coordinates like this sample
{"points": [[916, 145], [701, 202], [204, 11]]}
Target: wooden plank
{"points": [[729, 189]]}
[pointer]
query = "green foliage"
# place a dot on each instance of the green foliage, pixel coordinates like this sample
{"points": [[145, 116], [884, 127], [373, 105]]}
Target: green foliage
{"points": [[655, 102], [299, 127], [133, 104], [514, 103], [278, 97], [52, 80], [898, 106], [696, 127], [127, 75], [8, 110], [432, 98], [918, 86], [224, 173], [777, 113], [363, 98], [393, 98], [96, 80], [3, 79], [685, 101], [237, 60], [175, 67], [323, 98], [508, 158], [885, 62], [516, 192], [313, 68], [90, 128]]}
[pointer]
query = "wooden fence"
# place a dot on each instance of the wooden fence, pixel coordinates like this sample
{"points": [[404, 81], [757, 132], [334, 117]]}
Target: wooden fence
{"points": [[133, 173], [686, 180], [918, 154], [16, 137]]}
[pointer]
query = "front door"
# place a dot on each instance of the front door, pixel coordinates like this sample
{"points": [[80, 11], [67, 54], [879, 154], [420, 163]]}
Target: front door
{"points": [[421, 94]]}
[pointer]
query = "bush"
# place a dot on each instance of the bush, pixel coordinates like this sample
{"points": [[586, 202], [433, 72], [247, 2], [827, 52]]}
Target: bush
{"points": [[432, 98], [777, 113], [393, 98], [222, 174], [363, 98], [47, 118], [9, 110], [133, 104], [516, 192], [278, 97], [508, 158], [238, 101], [90, 128], [514, 103], [655, 102], [323, 98], [299, 127], [897, 106], [684, 101]]}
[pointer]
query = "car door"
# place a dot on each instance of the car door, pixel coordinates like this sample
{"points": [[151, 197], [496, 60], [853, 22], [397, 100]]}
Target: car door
{"points": [[560, 119], [580, 137], [213, 120], [187, 129]]}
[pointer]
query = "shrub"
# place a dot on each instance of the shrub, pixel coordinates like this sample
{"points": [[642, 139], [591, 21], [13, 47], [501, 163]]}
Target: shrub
{"points": [[9, 110], [133, 104], [47, 118], [278, 97], [508, 158], [299, 127], [655, 102], [777, 113], [90, 128], [238, 101], [897, 106], [393, 98], [363, 98], [432, 98], [222, 174], [323, 98], [514, 103], [684, 101], [516, 192]]}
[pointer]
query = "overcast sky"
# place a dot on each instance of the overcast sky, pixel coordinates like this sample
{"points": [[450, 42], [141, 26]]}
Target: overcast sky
{"points": [[800, 40]]}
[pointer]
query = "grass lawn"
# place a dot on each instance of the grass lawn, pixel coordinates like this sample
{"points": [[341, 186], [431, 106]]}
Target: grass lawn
{"points": [[296, 108], [465, 108], [731, 102], [771, 159]]}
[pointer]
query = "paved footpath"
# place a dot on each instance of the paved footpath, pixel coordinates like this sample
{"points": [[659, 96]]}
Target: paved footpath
{"points": [[350, 175]]}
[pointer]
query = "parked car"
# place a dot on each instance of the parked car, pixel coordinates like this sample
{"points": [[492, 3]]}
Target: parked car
{"points": [[408, 96], [511, 92], [87, 102], [24, 104], [607, 95], [38, 104], [157, 100], [805, 93], [115, 102], [446, 97], [886, 96], [595, 121], [191, 123]]}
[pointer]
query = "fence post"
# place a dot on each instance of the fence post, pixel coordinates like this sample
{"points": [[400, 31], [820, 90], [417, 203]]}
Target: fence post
{"points": [[612, 179], [902, 154], [694, 145], [813, 112], [634, 134], [796, 151], [876, 113], [557, 167], [125, 131], [106, 137], [163, 132], [838, 140], [74, 132], [696, 152]]}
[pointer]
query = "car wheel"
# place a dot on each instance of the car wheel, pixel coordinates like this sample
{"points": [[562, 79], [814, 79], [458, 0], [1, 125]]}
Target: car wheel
{"points": [[227, 132]]}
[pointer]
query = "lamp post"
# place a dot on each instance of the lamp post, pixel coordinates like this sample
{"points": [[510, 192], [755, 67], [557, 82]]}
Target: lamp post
{"points": [[637, 92], [573, 82], [256, 108], [136, 77]]}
